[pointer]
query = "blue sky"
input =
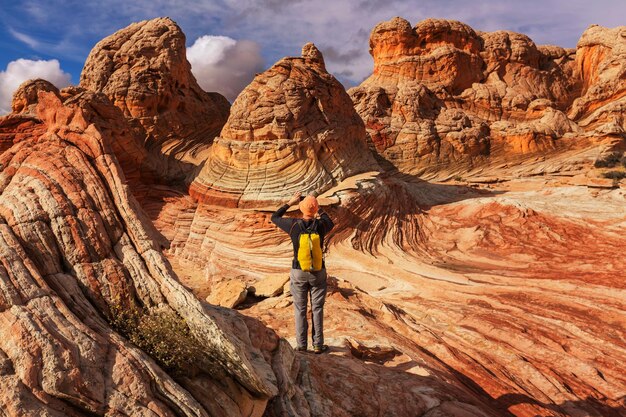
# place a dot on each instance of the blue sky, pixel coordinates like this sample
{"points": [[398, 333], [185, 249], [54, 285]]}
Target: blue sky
{"points": [[66, 30]]}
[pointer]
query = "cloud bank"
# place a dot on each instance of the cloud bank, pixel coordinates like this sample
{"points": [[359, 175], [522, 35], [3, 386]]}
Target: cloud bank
{"points": [[21, 70], [223, 64]]}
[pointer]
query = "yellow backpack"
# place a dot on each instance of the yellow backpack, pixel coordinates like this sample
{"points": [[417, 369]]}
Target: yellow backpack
{"points": [[310, 255]]}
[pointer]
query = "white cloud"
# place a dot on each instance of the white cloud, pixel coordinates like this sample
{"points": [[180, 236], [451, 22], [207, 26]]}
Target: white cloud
{"points": [[21, 70], [343, 27], [340, 29], [28, 40], [225, 65]]}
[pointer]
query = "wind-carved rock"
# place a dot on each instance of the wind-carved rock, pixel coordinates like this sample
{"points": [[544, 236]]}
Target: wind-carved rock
{"points": [[292, 129], [601, 65], [22, 122], [460, 301], [76, 247], [143, 69], [25, 97], [443, 96], [438, 53]]}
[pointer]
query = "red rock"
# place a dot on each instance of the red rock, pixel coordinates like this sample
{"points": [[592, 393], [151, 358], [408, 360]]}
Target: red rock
{"points": [[25, 97], [435, 52], [75, 236], [444, 96], [501, 298], [144, 71], [292, 129]]}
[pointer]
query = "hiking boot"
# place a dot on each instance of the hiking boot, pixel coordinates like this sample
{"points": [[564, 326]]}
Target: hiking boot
{"points": [[320, 349], [301, 349]]}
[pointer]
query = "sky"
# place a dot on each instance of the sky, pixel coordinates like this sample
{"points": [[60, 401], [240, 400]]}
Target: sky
{"points": [[229, 41]]}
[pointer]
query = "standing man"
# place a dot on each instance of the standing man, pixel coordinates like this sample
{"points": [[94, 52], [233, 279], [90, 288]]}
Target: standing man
{"points": [[308, 271]]}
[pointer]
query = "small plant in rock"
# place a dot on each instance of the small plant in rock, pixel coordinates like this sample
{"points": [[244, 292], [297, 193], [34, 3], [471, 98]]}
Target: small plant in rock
{"points": [[614, 175], [609, 161], [163, 335]]}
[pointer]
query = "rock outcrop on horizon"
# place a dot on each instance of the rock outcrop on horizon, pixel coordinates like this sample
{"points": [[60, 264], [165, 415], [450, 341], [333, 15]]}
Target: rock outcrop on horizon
{"points": [[600, 65], [292, 129], [445, 98], [144, 71]]}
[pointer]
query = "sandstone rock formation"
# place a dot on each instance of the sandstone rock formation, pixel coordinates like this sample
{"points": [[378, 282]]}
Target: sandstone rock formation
{"points": [[496, 293], [600, 66], [25, 97], [443, 97], [78, 252], [144, 71], [229, 294], [75, 245], [292, 129]]}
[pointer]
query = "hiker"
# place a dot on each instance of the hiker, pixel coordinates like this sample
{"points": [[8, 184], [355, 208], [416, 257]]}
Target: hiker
{"points": [[308, 270]]}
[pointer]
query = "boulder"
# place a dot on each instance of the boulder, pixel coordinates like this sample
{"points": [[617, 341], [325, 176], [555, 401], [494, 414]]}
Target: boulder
{"points": [[271, 285], [228, 293]]}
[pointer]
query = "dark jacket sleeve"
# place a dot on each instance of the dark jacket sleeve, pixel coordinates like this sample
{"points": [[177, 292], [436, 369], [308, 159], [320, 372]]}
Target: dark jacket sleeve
{"points": [[277, 219], [326, 221]]}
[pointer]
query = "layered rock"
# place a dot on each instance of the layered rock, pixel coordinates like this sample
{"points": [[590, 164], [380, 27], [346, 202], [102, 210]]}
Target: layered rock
{"points": [[25, 97], [144, 71], [471, 298], [444, 96], [79, 256], [600, 66], [23, 123], [292, 129], [76, 247], [438, 53], [491, 290]]}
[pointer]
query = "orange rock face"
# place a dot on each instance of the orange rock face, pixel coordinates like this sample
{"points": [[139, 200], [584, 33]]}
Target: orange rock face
{"points": [[144, 71], [442, 95], [435, 52], [600, 66], [25, 97], [292, 129]]}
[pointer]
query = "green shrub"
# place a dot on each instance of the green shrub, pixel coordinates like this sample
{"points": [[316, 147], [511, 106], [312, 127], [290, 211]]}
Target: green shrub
{"points": [[615, 175], [609, 161], [163, 335]]}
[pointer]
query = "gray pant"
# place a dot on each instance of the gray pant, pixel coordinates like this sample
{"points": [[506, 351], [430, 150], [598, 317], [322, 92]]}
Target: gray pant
{"points": [[302, 284]]}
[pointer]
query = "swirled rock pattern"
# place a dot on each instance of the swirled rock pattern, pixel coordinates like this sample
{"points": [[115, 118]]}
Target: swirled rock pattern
{"points": [[76, 249], [498, 291], [144, 71], [292, 129], [75, 243]]}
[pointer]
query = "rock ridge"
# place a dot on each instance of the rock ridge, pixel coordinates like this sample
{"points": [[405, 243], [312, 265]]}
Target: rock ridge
{"points": [[292, 129]]}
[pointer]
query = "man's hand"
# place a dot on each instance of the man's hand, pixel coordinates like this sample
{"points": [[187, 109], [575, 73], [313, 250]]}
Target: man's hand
{"points": [[295, 199]]}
